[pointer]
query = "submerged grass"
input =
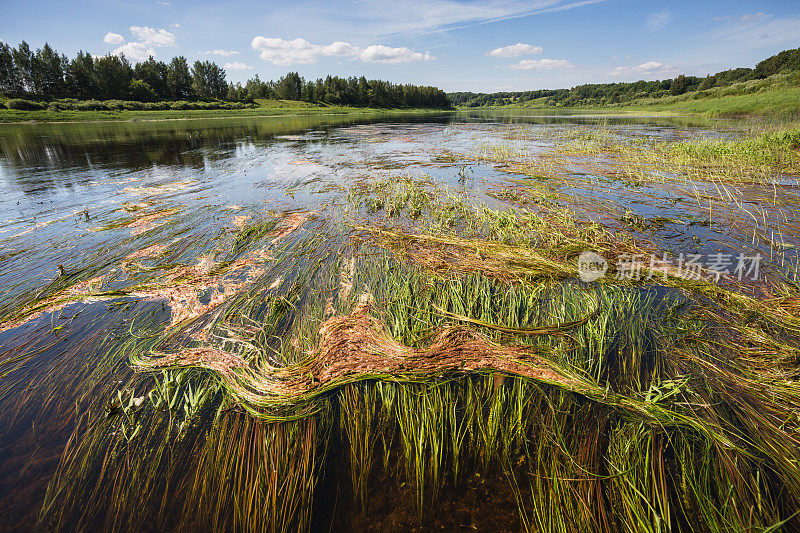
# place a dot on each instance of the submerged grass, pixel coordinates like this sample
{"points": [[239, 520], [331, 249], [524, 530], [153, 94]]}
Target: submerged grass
{"points": [[743, 189], [603, 408], [417, 343], [761, 157]]}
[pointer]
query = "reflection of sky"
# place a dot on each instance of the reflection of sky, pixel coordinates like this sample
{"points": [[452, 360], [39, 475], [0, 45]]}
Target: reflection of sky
{"points": [[48, 180], [62, 171]]}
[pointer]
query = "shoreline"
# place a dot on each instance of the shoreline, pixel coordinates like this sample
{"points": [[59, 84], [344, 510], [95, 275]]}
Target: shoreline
{"points": [[635, 112], [291, 112]]}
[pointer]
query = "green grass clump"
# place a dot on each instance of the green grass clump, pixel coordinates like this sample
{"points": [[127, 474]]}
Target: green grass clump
{"points": [[775, 151]]}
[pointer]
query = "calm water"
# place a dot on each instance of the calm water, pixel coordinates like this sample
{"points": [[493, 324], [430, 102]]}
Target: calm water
{"points": [[52, 175], [68, 190]]}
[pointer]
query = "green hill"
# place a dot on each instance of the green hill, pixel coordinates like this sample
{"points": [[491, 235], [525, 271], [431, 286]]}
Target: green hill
{"points": [[771, 87]]}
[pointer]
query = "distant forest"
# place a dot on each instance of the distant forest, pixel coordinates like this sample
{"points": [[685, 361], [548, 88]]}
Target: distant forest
{"points": [[46, 75], [614, 93]]}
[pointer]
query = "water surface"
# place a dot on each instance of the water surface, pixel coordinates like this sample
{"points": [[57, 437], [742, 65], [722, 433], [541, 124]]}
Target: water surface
{"points": [[71, 195]]}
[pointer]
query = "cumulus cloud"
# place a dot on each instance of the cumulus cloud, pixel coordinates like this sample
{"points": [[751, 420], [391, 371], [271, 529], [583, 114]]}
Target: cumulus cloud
{"points": [[134, 51], [174, 25], [144, 46], [650, 69], [377, 53], [515, 50], [236, 65], [152, 36], [657, 21], [224, 53], [542, 64], [299, 51], [282, 52], [113, 38]]}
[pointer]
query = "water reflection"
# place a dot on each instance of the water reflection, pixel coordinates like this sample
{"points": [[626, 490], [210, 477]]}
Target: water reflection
{"points": [[29, 149], [50, 174]]}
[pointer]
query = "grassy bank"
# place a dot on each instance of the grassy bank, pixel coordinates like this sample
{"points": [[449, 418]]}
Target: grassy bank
{"points": [[265, 108], [761, 97], [778, 95]]}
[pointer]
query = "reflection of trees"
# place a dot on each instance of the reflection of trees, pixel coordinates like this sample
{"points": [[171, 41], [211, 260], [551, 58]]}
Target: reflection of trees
{"points": [[38, 155], [587, 118], [31, 152]]}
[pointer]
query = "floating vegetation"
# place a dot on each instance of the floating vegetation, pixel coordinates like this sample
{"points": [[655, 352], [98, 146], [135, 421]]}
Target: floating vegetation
{"points": [[468, 374], [148, 222], [159, 189]]}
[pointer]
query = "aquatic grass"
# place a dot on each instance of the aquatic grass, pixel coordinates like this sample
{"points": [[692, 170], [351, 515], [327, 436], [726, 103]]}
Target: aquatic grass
{"points": [[749, 205], [405, 354], [424, 461], [167, 278], [755, 157]]}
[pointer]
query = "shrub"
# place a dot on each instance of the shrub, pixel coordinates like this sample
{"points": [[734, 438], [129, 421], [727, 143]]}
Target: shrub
{"points": [[156, 106], [120, 105], [91, 105], [24, 105], [60, 105]]}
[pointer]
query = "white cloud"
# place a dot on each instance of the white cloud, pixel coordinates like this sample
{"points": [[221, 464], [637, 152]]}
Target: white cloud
{"points": [[162, 3], [757, 30], [113, 38], [152, 36], [743, 18], [377, 53], [651, 69], [299, 51], [174, 25], [224, 53], [143, 47], [236, 65], [134, 51], [515, 50], [371, 20], [657, 21], [446, 15], [282, 52], [542, 64]]}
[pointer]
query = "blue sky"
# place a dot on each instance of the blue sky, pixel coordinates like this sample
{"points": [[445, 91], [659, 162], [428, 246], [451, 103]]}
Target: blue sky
{"points": [[457, 45]]}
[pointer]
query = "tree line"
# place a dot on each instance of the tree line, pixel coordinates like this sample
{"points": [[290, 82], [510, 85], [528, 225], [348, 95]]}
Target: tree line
{"points": [[47, 74], [613, 93], [352, 91]]}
